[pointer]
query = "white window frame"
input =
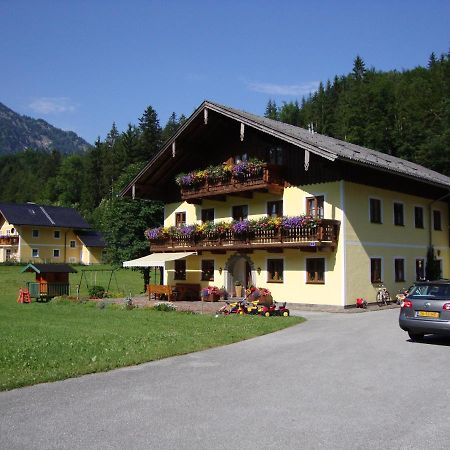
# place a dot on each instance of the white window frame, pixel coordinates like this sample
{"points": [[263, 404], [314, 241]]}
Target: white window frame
{"points": [[419, 258], [423, 217], [54, 234], [382, 268], [325, 268], [432, 218], [393, 213], [371, 197], [74, 243], [59, 253], [404, 269], [315, 194], [283, 280], [33, 250]]}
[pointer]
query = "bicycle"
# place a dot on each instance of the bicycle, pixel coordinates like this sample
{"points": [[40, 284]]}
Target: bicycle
{"points": [[383, 296]]}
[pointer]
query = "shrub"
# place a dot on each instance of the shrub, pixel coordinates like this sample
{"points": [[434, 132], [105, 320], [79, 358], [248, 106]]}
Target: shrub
{"points": [[165, 306], [96, 292]]}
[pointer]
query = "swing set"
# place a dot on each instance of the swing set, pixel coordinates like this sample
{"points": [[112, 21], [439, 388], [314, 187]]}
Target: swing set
{"points": [[90, 278]]}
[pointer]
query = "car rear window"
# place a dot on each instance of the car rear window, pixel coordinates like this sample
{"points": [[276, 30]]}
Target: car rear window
{"points": [[430, 290]]}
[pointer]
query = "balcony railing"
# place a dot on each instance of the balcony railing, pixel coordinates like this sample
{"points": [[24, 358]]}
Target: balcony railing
{"points": [[48, 290], [325, 234], [9, 240], [269, 180]]}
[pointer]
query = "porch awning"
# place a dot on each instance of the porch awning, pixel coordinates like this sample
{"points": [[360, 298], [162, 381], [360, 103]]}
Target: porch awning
{"points": [[156, 259]]}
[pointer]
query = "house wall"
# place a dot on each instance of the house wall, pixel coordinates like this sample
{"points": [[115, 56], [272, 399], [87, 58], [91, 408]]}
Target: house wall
{"points": [[365, 240], [8, 251], [91, 255], [46, 243], [294, 287], [347, 269]]}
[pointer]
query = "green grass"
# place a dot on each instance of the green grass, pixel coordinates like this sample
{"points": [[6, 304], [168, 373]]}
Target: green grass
{"points": [[56, 340]]}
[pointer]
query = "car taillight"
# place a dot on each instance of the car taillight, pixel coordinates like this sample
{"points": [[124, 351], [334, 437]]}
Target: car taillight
{"points": [[407, 304], [446, 306]]}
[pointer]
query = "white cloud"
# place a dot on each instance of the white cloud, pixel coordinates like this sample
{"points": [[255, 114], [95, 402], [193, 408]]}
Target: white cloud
{"points": [[284, 89], [52, 105]]}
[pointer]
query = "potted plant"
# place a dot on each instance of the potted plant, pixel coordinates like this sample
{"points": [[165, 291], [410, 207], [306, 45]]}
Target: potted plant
{"points": [[238, 288], [210, 294]]}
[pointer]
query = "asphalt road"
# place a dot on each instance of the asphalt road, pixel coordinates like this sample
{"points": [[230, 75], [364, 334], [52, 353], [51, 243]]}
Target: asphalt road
{"points": [[339, 381]]}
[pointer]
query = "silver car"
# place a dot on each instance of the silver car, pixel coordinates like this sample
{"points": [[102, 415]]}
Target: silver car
{"points": [[426, 309]]}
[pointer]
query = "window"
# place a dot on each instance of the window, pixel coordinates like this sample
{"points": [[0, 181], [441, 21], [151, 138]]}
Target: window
{"points": [[180, 269], [375, 210], [207, 270], [275, 155], [398, 214], [57, 234], [314, 206], [275, 208], [437, 225], [240, 212], [420, 269], [73, 244], [56, 253], [315, 270], [208, 215], [180, 219], [240, 158], [275, 270], [418, 217], [35, 233], [399, 267], [13, 230], [375, 270], [35, 253]]}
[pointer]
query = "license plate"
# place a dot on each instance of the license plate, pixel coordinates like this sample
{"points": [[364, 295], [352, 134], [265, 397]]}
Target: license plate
{"points": [[427, 314]]}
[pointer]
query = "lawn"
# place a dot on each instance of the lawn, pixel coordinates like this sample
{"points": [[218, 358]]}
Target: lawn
{"points": [[56, 340]]}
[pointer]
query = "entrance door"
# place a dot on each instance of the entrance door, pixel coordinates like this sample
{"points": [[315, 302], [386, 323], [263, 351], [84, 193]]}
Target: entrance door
{"points": [[240, 271]]}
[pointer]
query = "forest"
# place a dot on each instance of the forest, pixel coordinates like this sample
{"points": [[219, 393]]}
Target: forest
{"points": [[405, 114]]}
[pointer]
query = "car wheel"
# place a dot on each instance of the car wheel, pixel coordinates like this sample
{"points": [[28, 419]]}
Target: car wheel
{"points": [[415, 336]]}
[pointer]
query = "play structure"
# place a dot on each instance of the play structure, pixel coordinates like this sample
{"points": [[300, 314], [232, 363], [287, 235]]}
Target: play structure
{"points": [[95, 278], [52, 280]]}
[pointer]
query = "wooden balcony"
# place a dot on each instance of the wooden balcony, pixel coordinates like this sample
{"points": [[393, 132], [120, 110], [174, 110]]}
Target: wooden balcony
{"points": [[9, 240], [270, 181], [325, 234]]}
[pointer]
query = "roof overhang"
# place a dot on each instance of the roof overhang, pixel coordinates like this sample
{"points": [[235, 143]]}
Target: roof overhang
{"points": [[156, 259]]}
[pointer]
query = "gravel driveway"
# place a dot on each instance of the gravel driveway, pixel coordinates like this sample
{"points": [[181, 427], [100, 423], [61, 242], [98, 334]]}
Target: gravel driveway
{"points": [[338, 381]]}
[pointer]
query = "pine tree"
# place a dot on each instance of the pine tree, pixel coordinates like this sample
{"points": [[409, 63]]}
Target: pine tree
{"points": [[271, 110], [150, 134], [359, 68]]}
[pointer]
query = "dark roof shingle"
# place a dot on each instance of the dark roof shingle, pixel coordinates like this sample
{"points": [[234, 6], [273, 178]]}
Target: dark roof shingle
{"points": [[40, 215], [91, 238]]}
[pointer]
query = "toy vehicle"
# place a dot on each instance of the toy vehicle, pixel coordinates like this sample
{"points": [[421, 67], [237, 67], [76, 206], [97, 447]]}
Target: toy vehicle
{"points": [[281, 310]]}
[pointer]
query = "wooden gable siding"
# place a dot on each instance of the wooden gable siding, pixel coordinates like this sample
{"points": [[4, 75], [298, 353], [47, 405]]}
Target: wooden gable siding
{"points": [[203, 144]]}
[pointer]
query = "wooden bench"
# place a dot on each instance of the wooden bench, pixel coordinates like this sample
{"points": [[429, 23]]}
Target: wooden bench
{"points": [[158, 290]]}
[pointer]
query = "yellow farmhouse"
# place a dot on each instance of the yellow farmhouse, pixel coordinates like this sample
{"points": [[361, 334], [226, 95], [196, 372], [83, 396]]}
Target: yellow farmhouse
{"points": [[49, 234], [313, 219]]}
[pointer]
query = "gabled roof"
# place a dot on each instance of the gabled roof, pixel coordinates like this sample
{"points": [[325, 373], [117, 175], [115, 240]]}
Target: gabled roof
{"points": [[48, 268], [324, 146], [91, 238], [40, 215]]}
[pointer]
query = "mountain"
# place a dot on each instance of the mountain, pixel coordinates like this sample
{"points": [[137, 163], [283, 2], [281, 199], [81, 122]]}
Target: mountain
{"points": [[18, 132]]}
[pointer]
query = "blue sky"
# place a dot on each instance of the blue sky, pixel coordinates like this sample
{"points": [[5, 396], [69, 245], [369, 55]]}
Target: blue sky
{"points": [[83, 64]]}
